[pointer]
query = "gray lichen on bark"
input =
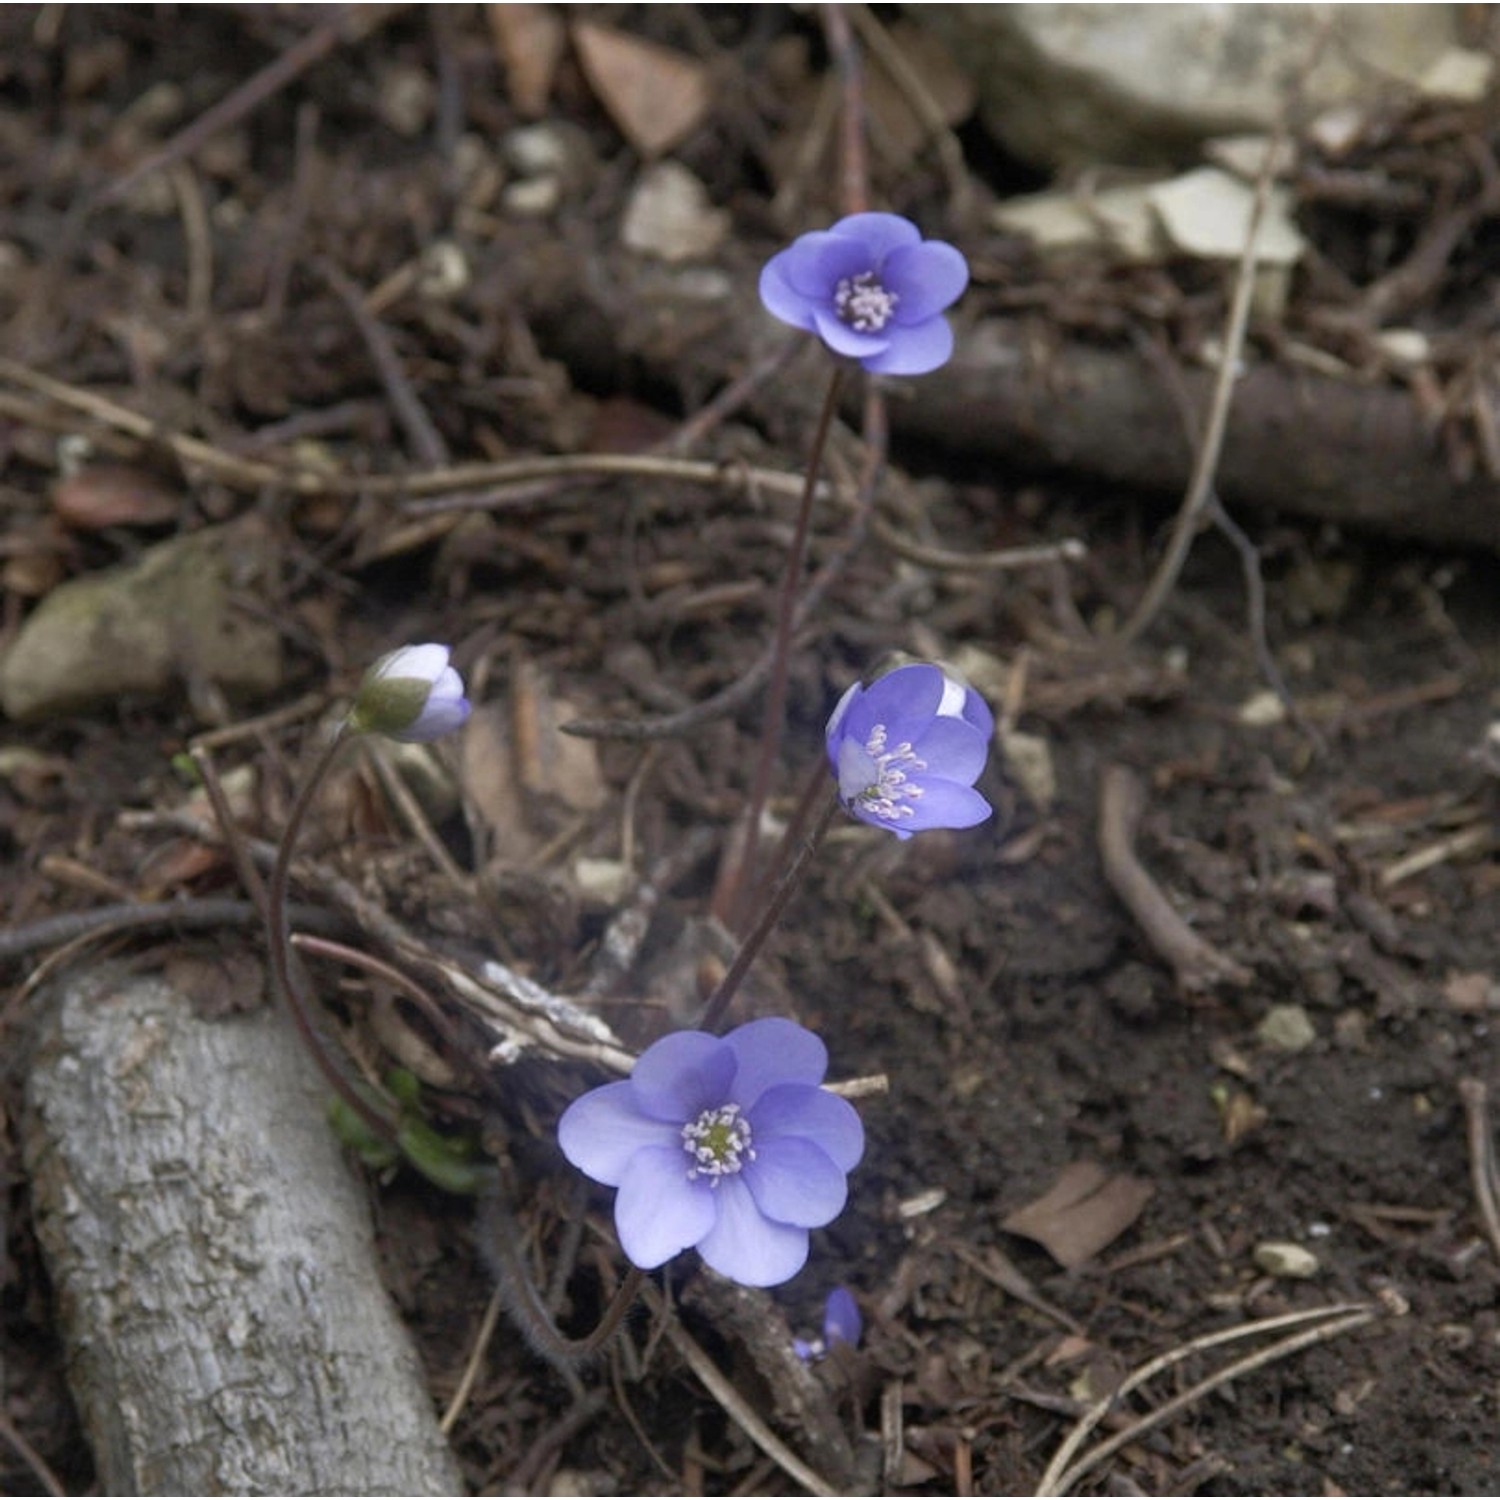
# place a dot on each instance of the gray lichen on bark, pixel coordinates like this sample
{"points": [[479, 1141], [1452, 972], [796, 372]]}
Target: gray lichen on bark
{"points": [[213, 1259]]}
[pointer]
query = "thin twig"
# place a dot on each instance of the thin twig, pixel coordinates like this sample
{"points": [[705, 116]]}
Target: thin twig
{"points": [[420, 491], [1255, 608], [184, 915], [1206, 463], [733, 396], [472, 1365], [728, 699], [734, 976], [1061, 1476], [739, 1410], [198, 237], [854, 170], [1475, 1098], [1197, 964], [741, 870], [32, 1459], [234, 840], [426, 441], [927, 110], [1005, 560], [291, 977], [345, 23], [413, 816]]}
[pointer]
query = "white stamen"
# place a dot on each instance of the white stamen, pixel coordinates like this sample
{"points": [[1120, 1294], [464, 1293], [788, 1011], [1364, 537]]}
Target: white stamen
{"points": [[890, 795], [862, 303], [717, 1143]]}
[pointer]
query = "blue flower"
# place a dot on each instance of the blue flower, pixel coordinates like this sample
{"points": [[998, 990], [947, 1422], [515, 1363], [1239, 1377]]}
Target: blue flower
{"points": [[872, 289], [841, 1325], [908, 749], [411, 694], [723, 1144]]}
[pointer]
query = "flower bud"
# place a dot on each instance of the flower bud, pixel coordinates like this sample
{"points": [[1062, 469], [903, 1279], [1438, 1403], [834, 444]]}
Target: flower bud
{"points": [[411, 694]]}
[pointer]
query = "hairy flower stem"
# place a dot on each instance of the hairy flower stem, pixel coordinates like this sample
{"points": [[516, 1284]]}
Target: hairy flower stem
{"points": [[786, 887], [741, 871], [284, 965], [500, 1239]]}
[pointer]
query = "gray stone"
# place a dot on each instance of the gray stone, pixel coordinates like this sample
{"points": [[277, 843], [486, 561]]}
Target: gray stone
{"points": [[1065, 85], [181, 612]]}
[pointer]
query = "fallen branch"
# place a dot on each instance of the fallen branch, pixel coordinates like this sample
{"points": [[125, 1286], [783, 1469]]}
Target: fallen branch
{"points": [[1197, 964]]}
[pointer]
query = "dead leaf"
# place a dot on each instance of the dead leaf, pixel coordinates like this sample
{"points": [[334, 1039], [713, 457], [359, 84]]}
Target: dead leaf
{"points": [[656, 96], [225, 983], [529, 40], [1081, 1213], [113, 495], [490, 782], [551, 764]]}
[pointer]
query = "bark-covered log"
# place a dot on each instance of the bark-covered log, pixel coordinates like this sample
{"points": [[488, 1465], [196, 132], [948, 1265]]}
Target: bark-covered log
{"points": [[1360, 454], [226, 1328]]}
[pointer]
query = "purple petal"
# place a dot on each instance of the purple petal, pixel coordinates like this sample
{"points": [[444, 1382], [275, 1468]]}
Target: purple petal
{"points": [[770, 1052], [746, 1246], [855, 769], [912, 692], [814, 264], [602, 1130], [943, 804], [913, 351], [829, 1122], [975, 710], [683, 1074], [926, 278], [880, 234], [953, 749], [793, 1182], [782, 300], [659, 1211], [899, 826], [831, 733], [842, 339], [842, 1323]]}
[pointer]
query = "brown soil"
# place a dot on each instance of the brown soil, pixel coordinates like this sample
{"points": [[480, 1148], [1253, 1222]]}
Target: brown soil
{"points": [[1022, 1018]]}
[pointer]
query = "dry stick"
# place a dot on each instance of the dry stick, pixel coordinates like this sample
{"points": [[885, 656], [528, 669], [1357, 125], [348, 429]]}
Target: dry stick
{"points": [[733, 397], [234, 840], [1475, 1097], [32, 1459], [426, 441], [928, 112], [355, 958], [1004, 560], [1255, 587], [413, 816], [199, 238], [734, 976], [466, 1382], [854, 172], [1200, 483], [1197, 964], [289, 977], [191, 915], [256, 474], [1255, 606], [741, 869], [1343, 1318], [740, 1410], [346, 23]]}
